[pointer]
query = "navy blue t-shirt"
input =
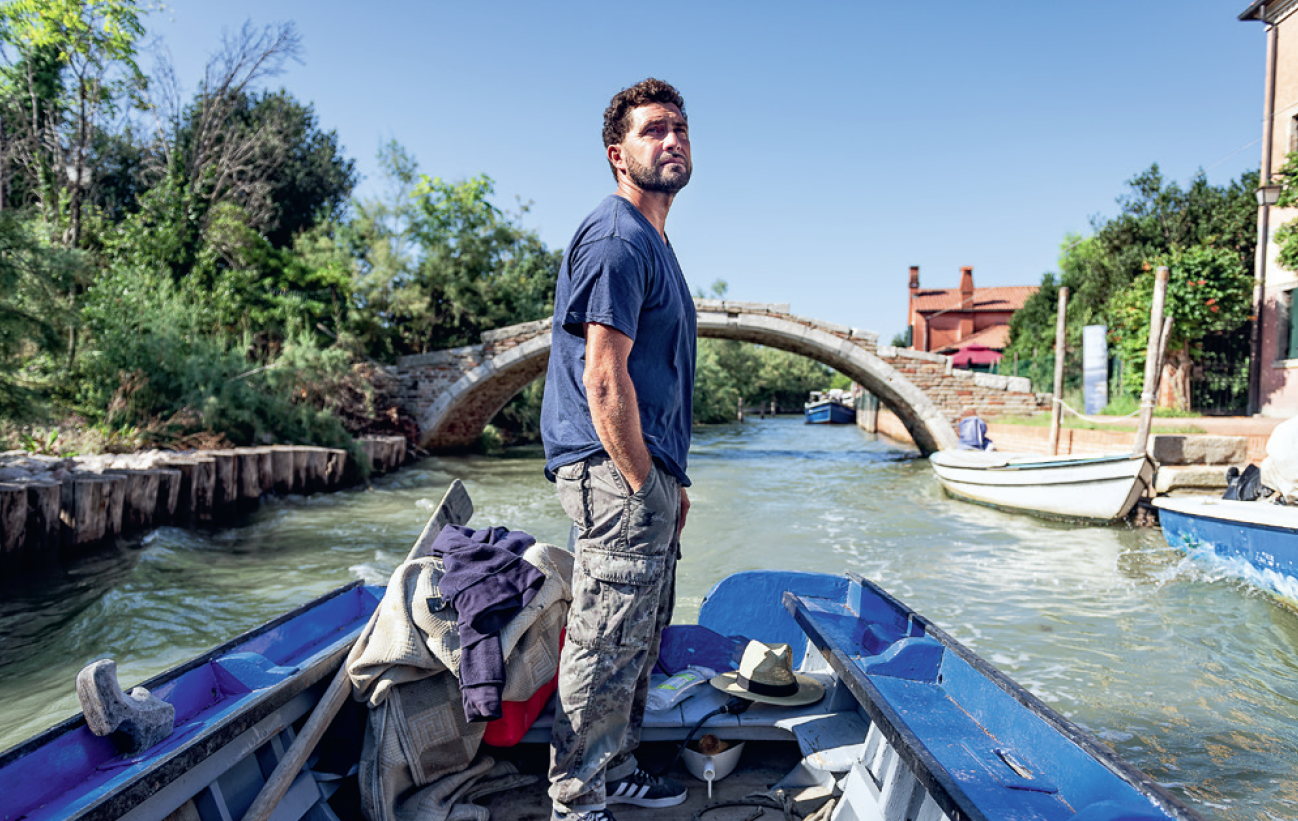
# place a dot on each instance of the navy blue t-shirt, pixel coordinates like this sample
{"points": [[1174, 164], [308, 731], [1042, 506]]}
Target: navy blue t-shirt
{"points": [[618, 272]]}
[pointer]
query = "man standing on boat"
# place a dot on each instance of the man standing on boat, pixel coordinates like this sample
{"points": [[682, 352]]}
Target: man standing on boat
{"points": [[616, 421]]}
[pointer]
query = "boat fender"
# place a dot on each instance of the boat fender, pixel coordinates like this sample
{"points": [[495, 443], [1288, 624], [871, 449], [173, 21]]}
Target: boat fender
{"points": [[136, 721], [917, 658]]}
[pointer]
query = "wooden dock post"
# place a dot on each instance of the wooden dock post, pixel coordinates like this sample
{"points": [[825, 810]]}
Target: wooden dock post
{"points": [[84, 509], [1153, 365], [248, 469], [226, 496], [1057, 407], [168, 495], [43, 526], [197, 487], [13, 522], [140, 498], [282, 456]]}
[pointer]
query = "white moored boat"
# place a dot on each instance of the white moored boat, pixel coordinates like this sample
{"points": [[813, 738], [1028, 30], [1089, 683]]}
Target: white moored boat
{"points": [[1093, 488]]}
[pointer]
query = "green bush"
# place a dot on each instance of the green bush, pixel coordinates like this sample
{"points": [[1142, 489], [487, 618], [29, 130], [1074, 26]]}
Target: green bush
{"points": [[158, 363]]}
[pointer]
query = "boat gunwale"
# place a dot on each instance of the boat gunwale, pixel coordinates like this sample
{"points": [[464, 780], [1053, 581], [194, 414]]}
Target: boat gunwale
{"points": [[1172, 506], [71, 723], [1044, 463], [930, 772]]}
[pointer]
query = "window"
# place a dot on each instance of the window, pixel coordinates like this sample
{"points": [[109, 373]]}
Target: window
{"points": [[1286, 325]]}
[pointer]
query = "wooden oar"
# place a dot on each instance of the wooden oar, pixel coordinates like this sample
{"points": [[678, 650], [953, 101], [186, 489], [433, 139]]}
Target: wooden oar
{"points": [[455, 508]]}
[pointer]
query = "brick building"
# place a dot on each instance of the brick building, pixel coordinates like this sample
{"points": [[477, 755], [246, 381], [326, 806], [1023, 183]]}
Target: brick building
{"points": [[952, 320], [1273, 381]]}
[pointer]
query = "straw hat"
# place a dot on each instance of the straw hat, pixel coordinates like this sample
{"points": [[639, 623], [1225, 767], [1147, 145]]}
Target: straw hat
{"points": [[766, 674]]}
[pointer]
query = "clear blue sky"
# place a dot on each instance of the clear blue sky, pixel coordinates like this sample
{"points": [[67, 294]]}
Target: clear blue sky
{"points": [[834, 144]]}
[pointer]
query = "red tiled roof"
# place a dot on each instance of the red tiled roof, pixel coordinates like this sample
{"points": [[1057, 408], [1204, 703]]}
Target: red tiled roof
{"points": [[1008, 298], [996, 337]]}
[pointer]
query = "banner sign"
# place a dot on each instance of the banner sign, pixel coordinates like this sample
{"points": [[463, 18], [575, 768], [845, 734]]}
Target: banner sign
{"points": [[1095, 368]]}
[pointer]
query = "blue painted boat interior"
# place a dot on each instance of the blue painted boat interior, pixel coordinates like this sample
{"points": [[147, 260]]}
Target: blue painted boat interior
{"points": [[69, 768], [983, 746]]}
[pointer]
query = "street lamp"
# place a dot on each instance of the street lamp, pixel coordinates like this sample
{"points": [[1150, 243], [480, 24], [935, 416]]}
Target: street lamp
{"points": [[1268, 194]]}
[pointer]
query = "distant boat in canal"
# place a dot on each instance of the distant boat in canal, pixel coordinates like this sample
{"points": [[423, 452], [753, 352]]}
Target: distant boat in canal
{"points": [[1085, 488], [1262, 535], [830, 408]]}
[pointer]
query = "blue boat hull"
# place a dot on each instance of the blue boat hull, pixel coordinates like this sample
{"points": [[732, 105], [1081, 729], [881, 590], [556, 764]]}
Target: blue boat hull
{"points": [[829, 413], [1252, 538]]}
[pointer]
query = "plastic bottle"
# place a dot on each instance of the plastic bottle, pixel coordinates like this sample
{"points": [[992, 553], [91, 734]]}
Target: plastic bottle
{"points": [[674, 690]]}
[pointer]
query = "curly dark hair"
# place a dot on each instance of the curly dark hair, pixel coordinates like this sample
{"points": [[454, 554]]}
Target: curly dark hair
{"points": [[617, 117]]}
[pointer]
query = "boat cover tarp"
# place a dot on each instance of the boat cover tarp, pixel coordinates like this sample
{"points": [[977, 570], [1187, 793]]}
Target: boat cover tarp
{"points": [[420, 757], [1280, 467]]}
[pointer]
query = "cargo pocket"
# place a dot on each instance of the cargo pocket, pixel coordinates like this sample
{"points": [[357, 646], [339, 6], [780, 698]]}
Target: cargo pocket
{"points": [[614, 598]]}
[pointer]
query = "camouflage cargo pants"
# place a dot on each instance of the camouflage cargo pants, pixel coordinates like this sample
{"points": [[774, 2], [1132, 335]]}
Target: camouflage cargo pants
{"points": [[623, 591]]}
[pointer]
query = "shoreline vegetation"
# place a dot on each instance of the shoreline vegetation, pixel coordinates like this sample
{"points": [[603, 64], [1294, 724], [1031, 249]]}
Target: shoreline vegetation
{"points": [[192, 268]]}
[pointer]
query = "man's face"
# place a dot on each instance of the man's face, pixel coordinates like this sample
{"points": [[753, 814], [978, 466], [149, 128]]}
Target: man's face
{"points": [[656, 148]]}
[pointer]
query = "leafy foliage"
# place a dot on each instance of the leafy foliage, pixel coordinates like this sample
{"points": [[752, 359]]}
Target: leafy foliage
{"points": [[1209, 231], [32, 314], [1208, 292]]}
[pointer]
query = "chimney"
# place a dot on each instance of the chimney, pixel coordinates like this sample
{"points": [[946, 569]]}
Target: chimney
{"points": [[914, 277], [966, 302]]}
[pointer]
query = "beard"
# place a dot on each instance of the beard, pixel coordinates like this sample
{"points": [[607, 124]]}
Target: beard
{"points": [[666, 179]]}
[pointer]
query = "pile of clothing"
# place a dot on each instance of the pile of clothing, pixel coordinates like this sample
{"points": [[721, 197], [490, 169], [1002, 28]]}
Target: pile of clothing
{"points": [[475, 623]]}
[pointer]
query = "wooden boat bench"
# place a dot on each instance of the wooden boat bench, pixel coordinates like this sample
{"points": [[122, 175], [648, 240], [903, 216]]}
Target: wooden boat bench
{"points": [[763, 722]]}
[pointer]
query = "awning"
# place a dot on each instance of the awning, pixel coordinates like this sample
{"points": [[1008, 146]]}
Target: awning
{"points": [[975, 355]]}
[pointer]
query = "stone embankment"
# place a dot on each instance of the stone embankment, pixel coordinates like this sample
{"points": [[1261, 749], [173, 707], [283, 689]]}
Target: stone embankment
{"points": [[52, 507]]}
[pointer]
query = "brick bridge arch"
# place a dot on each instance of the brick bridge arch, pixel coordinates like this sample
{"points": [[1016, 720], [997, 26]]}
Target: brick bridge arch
{"points": [[455, 393]]}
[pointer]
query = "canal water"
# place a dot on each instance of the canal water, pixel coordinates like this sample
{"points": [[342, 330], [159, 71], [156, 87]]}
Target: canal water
{"points": [[1190, 675]]}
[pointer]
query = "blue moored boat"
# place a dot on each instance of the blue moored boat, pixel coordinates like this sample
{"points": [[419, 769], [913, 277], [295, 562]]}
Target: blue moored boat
{"points": [[912, 724], [1258, 540], [832, 408]]}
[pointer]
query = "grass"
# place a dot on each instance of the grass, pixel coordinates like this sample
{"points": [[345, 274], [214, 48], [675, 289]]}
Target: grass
{"points": [[1042, 420]]}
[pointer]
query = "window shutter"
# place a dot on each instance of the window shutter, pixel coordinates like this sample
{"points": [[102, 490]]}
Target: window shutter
{"points": [[1284, 326]]}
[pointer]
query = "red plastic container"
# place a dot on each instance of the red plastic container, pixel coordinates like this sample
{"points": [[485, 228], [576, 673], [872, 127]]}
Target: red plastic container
{"points": [[517, 717]]}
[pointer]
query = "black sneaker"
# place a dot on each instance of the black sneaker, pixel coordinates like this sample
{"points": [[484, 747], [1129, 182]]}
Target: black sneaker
{"points": [[645, 790], [600, 814]]}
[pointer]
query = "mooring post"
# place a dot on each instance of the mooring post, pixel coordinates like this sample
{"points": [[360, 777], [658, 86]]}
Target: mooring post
{"points": [[1057, 407], [1149, 392]]}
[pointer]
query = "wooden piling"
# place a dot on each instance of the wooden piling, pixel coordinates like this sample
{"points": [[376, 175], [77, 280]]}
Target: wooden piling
{"points": [[226, 495], [248, 462], [197, 488], [282, 458], [13, 522], [168, 495], [141, 497], [335, 468], [116, 504], [85, 509], [265, 469], [43, 526]]}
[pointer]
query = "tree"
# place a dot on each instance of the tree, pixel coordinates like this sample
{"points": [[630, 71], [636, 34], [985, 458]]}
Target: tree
{"points": [[446, 264], [1158, 220], [31, 278], [76, 67], [1209, 291]]}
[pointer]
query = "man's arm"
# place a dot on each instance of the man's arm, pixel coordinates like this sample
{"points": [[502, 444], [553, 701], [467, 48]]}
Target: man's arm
{"points": [[614, 409], [613, 406]]}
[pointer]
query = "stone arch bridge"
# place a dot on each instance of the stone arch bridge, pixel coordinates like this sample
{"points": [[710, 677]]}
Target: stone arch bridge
{"points": [[454, 393]]}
